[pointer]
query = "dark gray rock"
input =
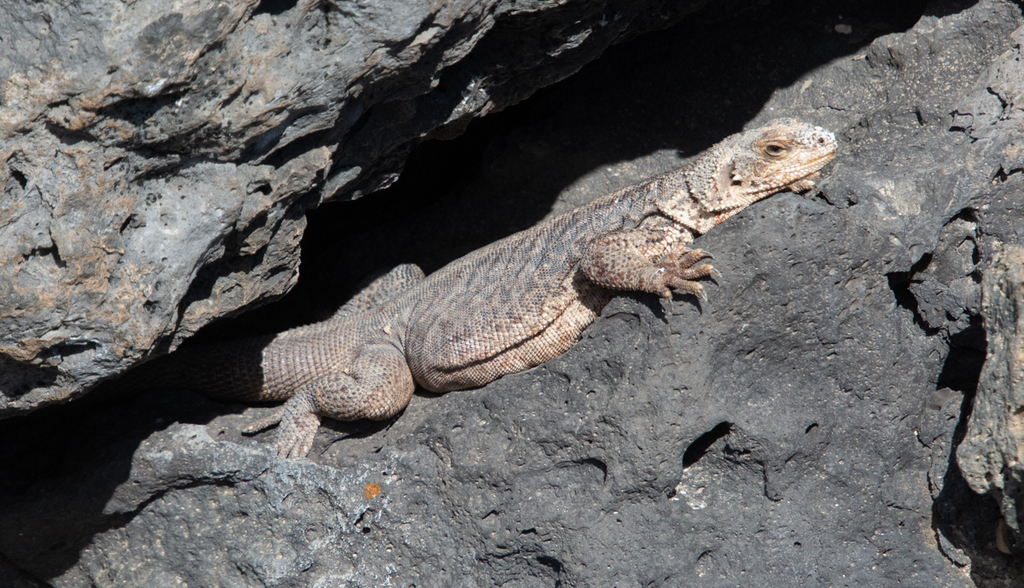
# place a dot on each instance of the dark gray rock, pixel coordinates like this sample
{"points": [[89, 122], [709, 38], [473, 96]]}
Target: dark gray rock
{"points": [[990, 454], [800, 428], [158, 158]]}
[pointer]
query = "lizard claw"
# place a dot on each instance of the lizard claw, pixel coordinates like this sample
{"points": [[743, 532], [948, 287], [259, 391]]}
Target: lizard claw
{"points": [[696, 253]]}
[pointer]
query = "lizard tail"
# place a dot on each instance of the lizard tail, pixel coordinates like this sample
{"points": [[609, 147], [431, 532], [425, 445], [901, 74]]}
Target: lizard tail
{"points": [[229, 371]]}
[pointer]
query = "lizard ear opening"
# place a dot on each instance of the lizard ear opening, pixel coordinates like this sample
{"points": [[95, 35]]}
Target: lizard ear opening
{"points": [[724, 183], [725, 175]]}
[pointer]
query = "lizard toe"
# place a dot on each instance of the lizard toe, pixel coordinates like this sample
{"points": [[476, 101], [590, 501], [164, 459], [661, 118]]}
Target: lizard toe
{"points": [[295, 435], [264, 423], [688, 286], [693, 273], [692, 256]]}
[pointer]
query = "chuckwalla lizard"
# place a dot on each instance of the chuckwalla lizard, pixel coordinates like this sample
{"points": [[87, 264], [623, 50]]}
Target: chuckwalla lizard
{"points": [[509, 306]]}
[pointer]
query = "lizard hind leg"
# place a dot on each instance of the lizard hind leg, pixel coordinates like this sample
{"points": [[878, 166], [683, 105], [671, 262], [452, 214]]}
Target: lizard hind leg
{"points": [[377, 386]]}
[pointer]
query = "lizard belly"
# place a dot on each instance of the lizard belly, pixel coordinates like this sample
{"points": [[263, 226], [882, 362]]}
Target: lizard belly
{"points": [[557, 338]]}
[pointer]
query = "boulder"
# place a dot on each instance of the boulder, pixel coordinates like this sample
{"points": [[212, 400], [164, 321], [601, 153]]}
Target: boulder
{"points": [[802, 427]]}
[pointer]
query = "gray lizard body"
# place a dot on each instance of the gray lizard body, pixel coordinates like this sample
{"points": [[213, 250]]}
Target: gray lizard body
{"points": [[511, 305]]}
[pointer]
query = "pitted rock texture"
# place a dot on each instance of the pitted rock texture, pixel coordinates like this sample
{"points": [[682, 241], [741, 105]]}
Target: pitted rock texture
{"points": [[800, 428], [991, 454]]}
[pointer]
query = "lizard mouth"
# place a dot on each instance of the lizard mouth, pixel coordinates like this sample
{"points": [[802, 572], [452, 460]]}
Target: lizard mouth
{"points": [[814, 168], [819, 162]]}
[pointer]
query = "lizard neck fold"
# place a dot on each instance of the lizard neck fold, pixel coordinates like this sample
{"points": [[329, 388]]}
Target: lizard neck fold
{"points": [[673, 197]]}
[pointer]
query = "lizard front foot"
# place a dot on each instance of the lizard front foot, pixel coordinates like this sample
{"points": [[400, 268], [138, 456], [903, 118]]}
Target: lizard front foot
{"points": [[679, 273]]}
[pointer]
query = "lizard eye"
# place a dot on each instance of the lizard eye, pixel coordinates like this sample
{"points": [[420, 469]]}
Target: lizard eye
{"points": [[774, 150]]}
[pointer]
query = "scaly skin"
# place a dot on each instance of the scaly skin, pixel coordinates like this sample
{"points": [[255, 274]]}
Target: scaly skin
{"points": [[511, 305]]}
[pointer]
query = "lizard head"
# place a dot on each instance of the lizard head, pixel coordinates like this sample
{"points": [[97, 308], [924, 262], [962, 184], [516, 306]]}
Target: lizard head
{"points": [[756, 164]]}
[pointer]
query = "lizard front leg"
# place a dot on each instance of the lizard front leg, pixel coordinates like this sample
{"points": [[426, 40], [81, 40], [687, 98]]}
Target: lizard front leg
{"points": [[646, 261], [377, 386]]}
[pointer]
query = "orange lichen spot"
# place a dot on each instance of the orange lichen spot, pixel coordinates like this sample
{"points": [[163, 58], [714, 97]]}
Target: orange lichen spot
{"points": [[371, 490]]}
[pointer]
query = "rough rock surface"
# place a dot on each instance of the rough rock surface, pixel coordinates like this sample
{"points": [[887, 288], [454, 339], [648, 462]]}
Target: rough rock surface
{"points": [[991, 454], [800, 428], [158, 158]]}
